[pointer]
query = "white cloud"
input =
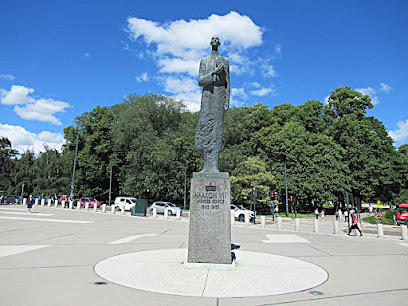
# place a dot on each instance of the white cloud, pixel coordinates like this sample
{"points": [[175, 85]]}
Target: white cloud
{"points": [[326, 99], [23, 140], [238, 92], [179, 65], [278, 49], [385, 88], [8, 77], [373, 92], [178, 36], [237, 57], [176, 85], [261, 91], [86, 55], [370, 92], [191, 98], [41, 110], [17, 95], [401, 133], [238, 97], [179, 45], [267, 70], [144, 77], [185, 89]]}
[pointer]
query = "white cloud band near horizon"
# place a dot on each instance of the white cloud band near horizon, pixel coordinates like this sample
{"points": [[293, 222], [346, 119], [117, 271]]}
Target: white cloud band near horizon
{"points": [[28, 108], [23, 140], [178, 46]]}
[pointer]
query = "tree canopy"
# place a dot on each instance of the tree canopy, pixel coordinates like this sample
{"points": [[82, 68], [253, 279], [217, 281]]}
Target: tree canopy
{"points": [[148, 144]]}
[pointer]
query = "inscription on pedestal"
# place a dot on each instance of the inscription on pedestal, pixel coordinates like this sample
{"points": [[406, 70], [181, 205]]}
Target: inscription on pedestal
{"points": [[210, 223], [209, 197]]}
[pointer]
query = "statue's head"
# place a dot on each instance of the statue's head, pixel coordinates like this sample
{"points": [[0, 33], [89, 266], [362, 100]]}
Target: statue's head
{"points": [[215, 41]]}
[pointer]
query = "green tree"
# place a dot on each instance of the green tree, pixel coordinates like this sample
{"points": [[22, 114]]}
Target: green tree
{"points": [[24, 173], [249, 174], [7, 153], [369, 153], [51, 173], [146, 133], [402, 195], [94, 158]]}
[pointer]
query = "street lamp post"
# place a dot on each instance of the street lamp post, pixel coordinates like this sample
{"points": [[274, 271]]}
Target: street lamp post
{"points": [[73, 171], [110, 185], [348, 210], [185, 185], [22, 192], [254, 191], [286, 191]]}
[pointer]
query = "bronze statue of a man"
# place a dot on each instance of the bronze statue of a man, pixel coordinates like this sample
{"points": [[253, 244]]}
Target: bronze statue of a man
{"points": [[214, 78]]}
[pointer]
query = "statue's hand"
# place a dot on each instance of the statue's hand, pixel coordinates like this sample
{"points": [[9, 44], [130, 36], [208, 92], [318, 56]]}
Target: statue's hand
{"points": [[218, 69]]}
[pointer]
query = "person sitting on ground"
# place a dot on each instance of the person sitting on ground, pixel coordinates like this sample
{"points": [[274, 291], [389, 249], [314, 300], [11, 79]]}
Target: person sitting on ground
{"points": [[355, 224]]}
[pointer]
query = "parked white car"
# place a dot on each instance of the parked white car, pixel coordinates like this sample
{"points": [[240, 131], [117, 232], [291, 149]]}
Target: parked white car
{"points": [[161, 206], [127, 202], [240, 212]]}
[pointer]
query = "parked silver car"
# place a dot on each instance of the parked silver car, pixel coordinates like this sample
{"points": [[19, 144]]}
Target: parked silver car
{"points": [[161, 206]]}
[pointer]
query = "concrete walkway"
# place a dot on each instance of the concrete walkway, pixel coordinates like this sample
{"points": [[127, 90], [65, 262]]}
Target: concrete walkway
{"points": [[47, 259]]}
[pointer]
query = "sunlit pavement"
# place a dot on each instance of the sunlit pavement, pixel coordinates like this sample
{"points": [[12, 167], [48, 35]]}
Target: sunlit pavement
{"points": [[49, 257]]}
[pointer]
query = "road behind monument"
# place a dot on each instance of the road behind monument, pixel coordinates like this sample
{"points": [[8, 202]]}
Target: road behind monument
{"points": [[48, 258]]}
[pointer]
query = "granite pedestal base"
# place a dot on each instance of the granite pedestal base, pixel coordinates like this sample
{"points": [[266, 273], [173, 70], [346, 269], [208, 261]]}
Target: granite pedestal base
{"points": [[209, 238]]}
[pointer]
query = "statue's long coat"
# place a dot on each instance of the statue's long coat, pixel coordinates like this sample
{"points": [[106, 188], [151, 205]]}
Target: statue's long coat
{"points": [[214, 102]]}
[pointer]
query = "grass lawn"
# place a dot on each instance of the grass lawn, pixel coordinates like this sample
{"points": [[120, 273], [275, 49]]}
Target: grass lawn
{"points": [[386, 219]]}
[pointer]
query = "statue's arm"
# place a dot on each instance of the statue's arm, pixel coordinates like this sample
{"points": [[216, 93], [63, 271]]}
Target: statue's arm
{"points": [[204, 78]]}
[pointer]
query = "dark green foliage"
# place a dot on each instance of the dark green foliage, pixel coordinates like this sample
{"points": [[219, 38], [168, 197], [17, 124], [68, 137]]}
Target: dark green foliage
{"points": [[148, 141], [6, 163]]}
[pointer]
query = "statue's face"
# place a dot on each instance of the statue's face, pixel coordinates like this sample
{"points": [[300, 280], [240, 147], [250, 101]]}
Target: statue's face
{"points": [[215, 41]]}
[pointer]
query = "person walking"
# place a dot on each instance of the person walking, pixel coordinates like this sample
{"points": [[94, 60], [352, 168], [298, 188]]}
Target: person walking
{"points": [[30, 203], [355, 224], [323, 214], [317, 213], [340, 213], [346, 215]]}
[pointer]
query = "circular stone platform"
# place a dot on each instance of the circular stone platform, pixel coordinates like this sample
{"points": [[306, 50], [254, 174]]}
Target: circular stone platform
{"points": [[256, 274]]}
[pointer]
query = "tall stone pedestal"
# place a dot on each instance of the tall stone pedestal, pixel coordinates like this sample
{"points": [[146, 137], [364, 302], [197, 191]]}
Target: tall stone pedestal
{"points": [[209, 238]]}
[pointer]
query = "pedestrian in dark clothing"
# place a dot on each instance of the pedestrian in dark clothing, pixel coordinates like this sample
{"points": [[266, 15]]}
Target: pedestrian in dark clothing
{"points": [[30, 203], [355, 224]]}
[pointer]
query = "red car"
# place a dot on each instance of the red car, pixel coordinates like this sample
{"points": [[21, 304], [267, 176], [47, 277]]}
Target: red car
{"points": [[402, 213], [92, 202]]}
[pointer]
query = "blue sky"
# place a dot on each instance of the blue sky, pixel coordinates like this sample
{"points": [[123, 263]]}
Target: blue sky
{"points": [[59, 59]]}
